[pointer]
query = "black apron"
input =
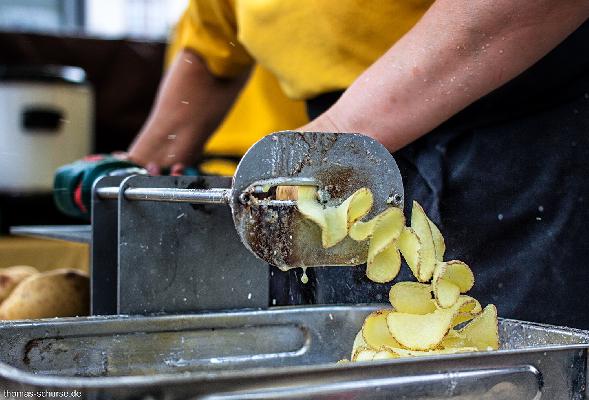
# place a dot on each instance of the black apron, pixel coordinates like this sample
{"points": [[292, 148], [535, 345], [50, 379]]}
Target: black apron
{"points": [[507, 182]]}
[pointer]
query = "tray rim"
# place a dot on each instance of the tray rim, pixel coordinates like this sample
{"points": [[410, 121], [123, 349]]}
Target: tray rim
{"points": [[17, 375]]}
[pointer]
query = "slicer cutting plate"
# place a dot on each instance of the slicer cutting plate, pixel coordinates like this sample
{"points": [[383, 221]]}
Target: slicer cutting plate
{"points": [[338, 164]]}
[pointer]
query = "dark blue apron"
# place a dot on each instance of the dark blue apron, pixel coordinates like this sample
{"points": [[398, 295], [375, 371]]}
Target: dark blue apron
{"points": [[507, 182]]}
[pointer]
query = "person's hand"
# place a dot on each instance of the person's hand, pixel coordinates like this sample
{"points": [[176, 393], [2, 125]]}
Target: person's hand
{"points": [[152, 168], [189, 106]]}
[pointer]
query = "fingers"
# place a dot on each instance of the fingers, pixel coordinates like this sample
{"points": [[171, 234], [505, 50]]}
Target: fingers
{"points": [[153, 169], [177, 169]]}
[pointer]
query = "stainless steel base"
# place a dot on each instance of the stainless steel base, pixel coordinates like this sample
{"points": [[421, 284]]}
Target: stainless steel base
{"points": [[281, 353]]}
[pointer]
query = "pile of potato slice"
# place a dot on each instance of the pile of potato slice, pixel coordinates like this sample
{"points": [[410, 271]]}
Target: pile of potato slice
{"points": [[430, 316]]}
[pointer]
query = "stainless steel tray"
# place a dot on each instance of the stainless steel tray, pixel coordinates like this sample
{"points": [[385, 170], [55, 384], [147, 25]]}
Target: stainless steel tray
{"points": [[282, 353]]}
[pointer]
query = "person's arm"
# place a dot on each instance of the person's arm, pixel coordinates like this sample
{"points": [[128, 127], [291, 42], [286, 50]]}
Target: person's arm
{"points": [[191, 102], [459, 51]]}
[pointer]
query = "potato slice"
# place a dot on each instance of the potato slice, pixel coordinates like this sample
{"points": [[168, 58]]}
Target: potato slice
{"points": [[412, 298], [470, 309], [427, 253], [423, 332], [449, 280], [446, 293], [439, 244], [358, 342], [375, 331], [385, 266], [386, 231], [453, 339], [334, 221], [10, 277], [385, 355], [410, 245], [58, 293], [360, 230], [364, 354], [420, 332], [419, 353], [482, 332]]}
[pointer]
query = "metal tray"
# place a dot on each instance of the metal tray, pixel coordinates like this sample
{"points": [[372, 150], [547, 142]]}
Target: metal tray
{"points": [[281, 353]]}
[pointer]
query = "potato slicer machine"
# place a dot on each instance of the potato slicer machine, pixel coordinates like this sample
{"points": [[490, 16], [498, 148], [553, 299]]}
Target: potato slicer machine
{"points": [[183, 303]]}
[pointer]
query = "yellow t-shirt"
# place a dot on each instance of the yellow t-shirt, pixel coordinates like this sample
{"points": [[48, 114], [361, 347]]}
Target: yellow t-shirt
{"points": [[302, 48], [310, 46]]}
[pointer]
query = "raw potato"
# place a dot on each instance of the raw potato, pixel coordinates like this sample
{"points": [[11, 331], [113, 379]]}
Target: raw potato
{"points": [[385, 266], [375, 331], [423, 332], [417, 353], [384, 261], [10, 277], [482, 331], [427, 252], [470, 309], [358, 342], [364, 354], [59, 293], [420, 332], [334, 221], [386, 231], [419, 324], [410, 245], [412, 298], [439, 244], [450, 279]]}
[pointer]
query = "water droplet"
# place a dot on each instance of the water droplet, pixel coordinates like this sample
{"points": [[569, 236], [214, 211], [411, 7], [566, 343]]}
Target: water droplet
{"points": [[500, 217], [541, 208], [249, 296], [501, 51]]}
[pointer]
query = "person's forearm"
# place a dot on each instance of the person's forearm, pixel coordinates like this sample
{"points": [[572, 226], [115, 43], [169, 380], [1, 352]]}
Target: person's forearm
{"points": [[191, 102], [458, 52]]}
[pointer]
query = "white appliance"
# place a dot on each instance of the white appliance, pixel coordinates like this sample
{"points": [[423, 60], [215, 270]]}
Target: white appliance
{"points": [[46, 120]]}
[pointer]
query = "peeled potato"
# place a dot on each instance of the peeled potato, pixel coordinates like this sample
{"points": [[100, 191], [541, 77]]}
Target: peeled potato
{"points": [[10, 277], [412, 298], [59, 293], [375, 330], [334, 221], [482, 331]]}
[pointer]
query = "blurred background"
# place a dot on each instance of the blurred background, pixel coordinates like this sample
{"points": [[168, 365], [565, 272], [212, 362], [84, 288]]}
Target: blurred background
{"points": [[52, 114], [79, 77]]}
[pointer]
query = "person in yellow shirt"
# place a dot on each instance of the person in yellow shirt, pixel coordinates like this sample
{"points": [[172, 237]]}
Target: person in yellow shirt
{"points": [[484, 105]]}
